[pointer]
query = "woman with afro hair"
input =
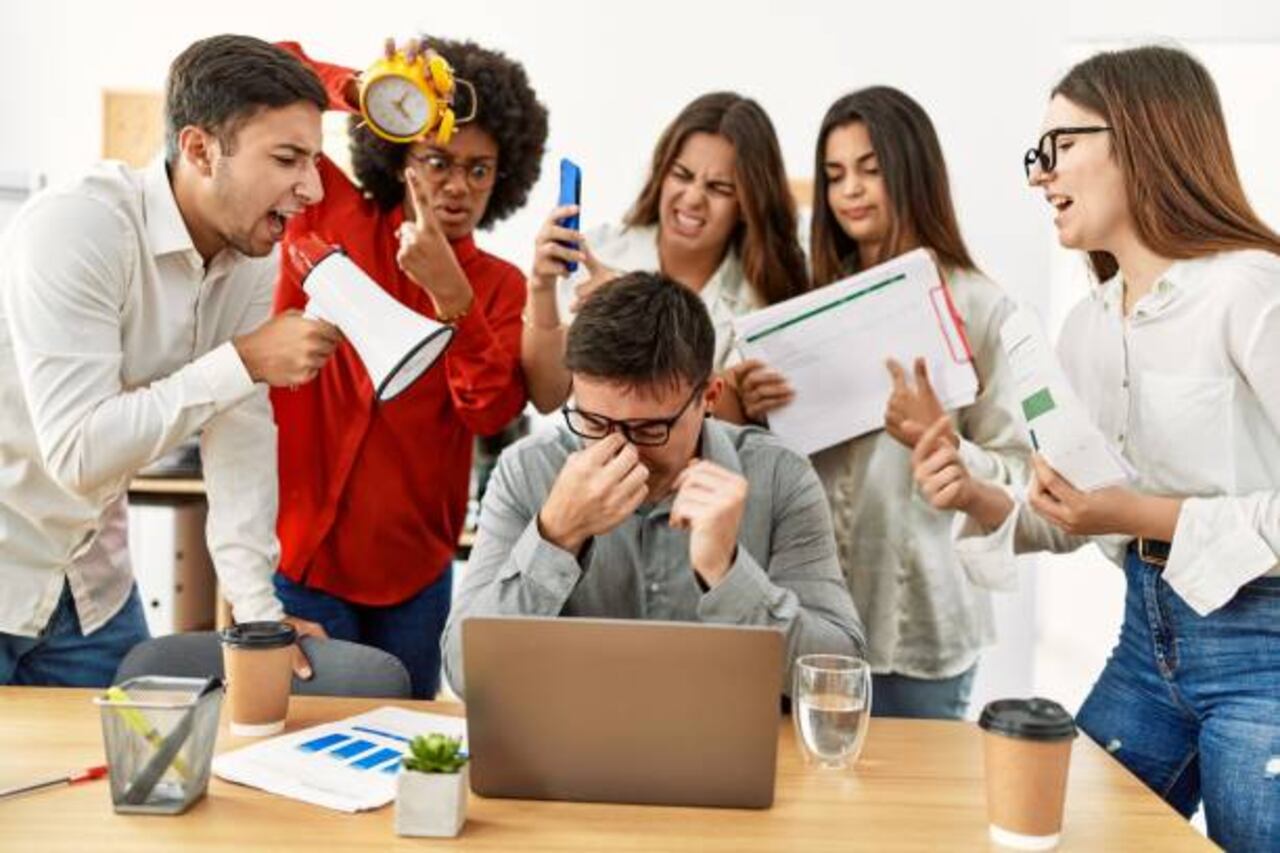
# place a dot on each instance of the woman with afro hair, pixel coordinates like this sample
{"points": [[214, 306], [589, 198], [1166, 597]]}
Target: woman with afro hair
{"points": [[373, 497]]}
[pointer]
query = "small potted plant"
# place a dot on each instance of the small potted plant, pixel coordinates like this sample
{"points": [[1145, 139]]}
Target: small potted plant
{"points": [[431, 797]]}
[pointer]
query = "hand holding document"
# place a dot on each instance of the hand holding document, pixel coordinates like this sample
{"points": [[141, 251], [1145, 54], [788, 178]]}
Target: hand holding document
{"points": [[1059, 425], [832, 345]]}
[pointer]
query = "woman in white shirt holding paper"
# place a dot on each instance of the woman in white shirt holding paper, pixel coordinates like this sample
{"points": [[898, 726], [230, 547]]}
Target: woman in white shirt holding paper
{"points": [[1176, 356], [881, 190], [715, 214]]}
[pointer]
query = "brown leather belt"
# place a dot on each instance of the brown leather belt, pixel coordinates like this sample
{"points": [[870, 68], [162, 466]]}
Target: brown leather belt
{"points": [[1153, 552]]}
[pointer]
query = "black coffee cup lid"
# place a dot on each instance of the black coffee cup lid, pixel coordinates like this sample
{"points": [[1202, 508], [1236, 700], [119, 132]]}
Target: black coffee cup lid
{"points": [[1030, 719], [259, 635]]}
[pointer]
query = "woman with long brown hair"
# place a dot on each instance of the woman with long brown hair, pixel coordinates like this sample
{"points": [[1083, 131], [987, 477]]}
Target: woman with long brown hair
{"points": [[909, 162], [1176, 354], [881, 189], [715, 214]]}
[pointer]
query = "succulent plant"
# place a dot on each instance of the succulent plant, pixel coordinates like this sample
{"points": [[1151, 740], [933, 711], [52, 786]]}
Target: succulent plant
{"points": [[435, 753]]}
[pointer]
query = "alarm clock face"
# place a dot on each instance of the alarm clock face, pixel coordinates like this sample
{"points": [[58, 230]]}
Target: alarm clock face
{"points": [[397, 106]]}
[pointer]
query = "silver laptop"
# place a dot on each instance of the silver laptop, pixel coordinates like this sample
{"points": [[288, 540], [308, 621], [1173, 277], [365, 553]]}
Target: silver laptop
{"points": [[622, 711]]}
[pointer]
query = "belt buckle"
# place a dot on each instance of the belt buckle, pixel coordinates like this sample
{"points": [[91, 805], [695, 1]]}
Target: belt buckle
{"points": [[1149, 556]]}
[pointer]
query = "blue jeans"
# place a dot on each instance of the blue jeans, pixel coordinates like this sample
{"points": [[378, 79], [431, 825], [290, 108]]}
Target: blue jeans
{"points": [[63, 656], [1191, 704], [894, 695], [409, 630]]}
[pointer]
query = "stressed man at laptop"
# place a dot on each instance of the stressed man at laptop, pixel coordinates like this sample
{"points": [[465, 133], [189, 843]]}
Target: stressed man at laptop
{"points": [[640, 506]]}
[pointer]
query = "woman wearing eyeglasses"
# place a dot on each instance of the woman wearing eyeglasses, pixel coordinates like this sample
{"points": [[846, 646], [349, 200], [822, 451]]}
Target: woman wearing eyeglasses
{"points": [[715, 214], [373, 497], [1176, 355], [881, 190]]}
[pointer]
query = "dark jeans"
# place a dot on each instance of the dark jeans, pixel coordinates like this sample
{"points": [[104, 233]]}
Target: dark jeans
{"points": [[894, 695], [409, 630], [63, 656], [1191, 705]]}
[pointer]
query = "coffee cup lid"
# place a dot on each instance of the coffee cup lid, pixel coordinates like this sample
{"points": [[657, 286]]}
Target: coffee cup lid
{"points": [[1030, 719], [259, 635]]}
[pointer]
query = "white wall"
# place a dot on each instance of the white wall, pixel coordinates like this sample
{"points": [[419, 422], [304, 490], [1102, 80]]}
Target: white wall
{"points": [[613, 75], [611, 80]]}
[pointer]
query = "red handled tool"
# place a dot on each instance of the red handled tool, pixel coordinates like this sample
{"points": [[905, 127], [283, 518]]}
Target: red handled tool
{"points": [[86, 775]]}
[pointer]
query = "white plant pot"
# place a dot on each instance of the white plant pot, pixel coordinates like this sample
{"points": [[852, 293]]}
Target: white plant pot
{"points": [[431, 804]]}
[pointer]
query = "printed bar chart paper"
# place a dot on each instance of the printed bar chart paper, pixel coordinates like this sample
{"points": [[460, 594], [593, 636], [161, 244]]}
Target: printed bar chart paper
{"points": [[348, 766], [1057, 422]]}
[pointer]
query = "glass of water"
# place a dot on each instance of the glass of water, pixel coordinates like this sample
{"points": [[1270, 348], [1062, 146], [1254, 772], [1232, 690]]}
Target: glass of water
{"points": [[831, 706]]}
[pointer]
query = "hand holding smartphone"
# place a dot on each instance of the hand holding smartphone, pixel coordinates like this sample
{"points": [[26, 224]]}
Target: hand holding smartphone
{"points": [[570, 193]]}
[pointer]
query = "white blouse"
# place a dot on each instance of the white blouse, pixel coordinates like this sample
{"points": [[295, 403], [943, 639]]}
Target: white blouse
{"points": [[635, 248], [1188, 387], [923, 617]]}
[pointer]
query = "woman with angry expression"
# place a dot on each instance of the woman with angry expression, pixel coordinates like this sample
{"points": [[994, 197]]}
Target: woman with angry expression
{"points": [[715, 215]]}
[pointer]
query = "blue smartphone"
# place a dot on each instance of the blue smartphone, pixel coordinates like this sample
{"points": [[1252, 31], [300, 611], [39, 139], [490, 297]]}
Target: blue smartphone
{"points": [[570, 193]]}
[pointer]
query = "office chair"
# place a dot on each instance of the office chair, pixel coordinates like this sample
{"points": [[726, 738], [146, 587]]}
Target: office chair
{"points": [[341, 668]]}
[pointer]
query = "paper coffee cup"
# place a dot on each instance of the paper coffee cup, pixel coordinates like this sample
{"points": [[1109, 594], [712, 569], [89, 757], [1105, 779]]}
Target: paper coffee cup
{"points": [[1027, 751], [257, 658]]}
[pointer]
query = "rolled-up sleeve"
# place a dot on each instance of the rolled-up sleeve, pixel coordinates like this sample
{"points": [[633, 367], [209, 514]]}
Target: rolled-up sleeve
{"points": [[1222, 543], [483, 362], [989, 557]]}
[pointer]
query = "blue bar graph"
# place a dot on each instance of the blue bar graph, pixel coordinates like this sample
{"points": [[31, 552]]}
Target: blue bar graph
{"points": [[375, 758], [360, 753], [322, 743], [356, 747]]}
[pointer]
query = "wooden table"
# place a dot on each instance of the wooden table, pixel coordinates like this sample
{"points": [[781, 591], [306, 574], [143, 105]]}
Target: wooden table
{"points": [[917, 787]]}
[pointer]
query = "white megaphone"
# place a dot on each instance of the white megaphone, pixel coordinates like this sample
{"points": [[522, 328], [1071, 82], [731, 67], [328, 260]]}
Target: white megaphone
{"points": [[397, 345]]}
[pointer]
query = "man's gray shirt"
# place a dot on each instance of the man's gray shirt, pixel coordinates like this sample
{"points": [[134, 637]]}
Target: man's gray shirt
{"points": [[785, 574]]}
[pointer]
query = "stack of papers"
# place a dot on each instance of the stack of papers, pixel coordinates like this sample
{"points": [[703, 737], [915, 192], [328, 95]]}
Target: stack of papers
{"points": [[349, 766], [832, 345], [1057, 421]]}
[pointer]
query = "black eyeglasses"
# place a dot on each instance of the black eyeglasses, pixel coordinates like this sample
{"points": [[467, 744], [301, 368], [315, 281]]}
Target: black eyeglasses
{"points": [[480, 174], [1045, 154], [646, 433]]}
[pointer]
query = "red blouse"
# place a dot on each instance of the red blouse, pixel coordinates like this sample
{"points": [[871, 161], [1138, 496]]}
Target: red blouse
{"points": [[373, 496]]}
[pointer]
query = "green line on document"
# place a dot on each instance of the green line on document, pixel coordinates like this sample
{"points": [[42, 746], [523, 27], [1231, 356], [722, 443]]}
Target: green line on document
{"points": [[800, 318]]}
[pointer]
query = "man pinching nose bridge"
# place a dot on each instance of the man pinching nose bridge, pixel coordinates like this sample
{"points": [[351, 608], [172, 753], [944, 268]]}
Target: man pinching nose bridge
{"points": [[641, 443], [642, 506]]}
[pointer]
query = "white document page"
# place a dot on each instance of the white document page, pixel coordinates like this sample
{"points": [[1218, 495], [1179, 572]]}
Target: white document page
{"points": [[348, 766], [832, 345], [1060, 427]]}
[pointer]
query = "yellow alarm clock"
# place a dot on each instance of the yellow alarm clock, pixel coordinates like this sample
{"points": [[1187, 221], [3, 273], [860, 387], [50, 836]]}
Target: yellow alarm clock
{"points": [[405, 100]]}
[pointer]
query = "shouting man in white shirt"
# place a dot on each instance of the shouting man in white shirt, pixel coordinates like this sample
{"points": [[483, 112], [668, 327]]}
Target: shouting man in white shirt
{"points": [[133, 314]]}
